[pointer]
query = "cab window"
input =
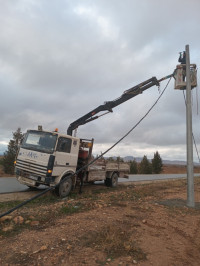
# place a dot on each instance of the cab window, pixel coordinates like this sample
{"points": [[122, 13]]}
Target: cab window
{"points": [[64, 145]]}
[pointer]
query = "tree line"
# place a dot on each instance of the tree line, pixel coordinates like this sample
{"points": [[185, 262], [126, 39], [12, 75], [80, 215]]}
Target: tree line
{"points": [[155, 166]]}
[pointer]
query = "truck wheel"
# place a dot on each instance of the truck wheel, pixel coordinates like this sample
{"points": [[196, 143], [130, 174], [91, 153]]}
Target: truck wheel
{"points": [[65, 187], [114, 180], [107, 182]]}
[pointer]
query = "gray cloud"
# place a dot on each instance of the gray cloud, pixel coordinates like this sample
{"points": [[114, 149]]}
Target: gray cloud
{"points": [[59, 60]]}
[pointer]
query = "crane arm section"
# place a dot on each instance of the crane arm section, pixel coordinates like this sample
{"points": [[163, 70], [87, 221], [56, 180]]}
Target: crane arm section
{"points": [[108, 106]]}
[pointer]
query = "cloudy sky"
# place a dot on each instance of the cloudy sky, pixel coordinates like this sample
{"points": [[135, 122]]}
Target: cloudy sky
{"points": [[61, 59]]}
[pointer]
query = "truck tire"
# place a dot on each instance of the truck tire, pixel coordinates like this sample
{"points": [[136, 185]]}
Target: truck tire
{"points": [[114, 180], [107, 182], [65, 187]]}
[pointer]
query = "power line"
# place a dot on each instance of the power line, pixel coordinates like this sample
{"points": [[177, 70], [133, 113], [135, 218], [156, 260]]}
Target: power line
{"points": [[100, 156]]}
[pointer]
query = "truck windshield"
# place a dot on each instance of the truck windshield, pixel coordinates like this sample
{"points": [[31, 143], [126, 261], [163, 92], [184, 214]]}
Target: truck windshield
{"points": [[40, 141]]}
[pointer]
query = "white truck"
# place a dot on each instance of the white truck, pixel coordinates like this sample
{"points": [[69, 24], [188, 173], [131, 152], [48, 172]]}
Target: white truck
{"points": [[52, 158]]}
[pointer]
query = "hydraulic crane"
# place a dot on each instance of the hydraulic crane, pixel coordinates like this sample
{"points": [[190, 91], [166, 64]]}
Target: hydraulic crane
{"points": [[108, 106]]}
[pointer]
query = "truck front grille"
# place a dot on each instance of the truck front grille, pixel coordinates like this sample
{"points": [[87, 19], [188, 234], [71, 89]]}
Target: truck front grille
{"points": [[31, 168]]}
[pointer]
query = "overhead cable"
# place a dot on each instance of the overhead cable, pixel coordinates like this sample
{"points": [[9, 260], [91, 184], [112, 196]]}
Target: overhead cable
{"points": [[100, 156]]}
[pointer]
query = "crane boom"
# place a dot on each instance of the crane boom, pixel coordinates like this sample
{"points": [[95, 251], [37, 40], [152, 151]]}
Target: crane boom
{"points": [[108, 106]]}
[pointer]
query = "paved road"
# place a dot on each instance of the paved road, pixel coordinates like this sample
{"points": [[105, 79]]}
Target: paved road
{"points": [[154, 177], [10, 184]]}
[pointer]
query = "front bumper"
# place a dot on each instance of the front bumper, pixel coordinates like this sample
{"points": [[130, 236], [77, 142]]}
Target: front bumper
{"points": [[33, 180]]}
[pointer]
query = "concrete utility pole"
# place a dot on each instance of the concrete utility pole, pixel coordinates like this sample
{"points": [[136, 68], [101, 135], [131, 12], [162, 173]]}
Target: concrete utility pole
{"points": [[190, 174]]}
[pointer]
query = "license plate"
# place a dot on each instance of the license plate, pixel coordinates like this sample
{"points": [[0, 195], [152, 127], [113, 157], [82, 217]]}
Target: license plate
{"points": [[33, 177], [27, 181]]}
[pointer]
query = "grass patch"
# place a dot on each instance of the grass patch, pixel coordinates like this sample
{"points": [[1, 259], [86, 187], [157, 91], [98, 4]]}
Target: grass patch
{"points": [[16, 229], [39, 201], [130, 195], [115, 242], [47, 199], [9, 205], [70, 208], [180, 206]]}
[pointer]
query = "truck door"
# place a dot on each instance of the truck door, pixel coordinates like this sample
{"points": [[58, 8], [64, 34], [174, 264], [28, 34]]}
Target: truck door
{"points": [[63, 157]]}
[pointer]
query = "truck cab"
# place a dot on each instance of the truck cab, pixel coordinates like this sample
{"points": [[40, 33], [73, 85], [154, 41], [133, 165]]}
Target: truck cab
{"points": [[46, 157]]}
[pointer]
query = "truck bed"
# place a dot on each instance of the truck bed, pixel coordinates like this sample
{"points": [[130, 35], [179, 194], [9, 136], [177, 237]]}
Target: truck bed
{"points": [[99, 170]]}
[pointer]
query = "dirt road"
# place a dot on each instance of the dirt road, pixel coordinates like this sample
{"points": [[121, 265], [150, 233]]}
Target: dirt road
{"points": [[148, 224]]}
